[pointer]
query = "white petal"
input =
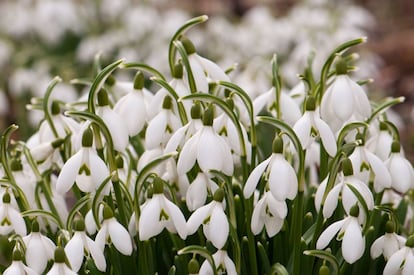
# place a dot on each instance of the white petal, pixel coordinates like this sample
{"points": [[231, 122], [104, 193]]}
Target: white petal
{"points": [[327, 137], [155, 133], [273, 225], [198, 74], [353, 243], [263, 99], [213, 70], [198, 217], [277, 208], [377, 247], [401, 172], [120, 237], [131, 107], [101, 236], [230, 266], [149, 224], [17, 221], [254, 178], [409, 264], [188, 154], [117, 129], [97, 254], [35, 260], [342, 99], [283, 182], [176, 139], [258, 217], [206, 269], [290, 110], [99, 170], [197, 192], [393, 265], [69, 172], [302, 129], [327, 235], [391, 245], [382, 176], [218, 227], [319, 194], [177, 218], [331, 201], [74, 251], [209, 152]]}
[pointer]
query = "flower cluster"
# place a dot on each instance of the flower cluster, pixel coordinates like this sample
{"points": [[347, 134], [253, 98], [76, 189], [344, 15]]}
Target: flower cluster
{"points": [[162, 172]]}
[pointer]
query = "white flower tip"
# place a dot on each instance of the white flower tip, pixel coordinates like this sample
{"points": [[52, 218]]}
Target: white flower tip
{"points": [[364, 39], [204, 18]]}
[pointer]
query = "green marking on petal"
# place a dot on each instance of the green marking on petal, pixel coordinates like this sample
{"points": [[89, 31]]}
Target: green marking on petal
{"points": [[163, 216], [5, 222], [84, 169]]}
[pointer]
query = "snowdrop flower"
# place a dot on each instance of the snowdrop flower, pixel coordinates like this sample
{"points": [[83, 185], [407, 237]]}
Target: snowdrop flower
{"points": [[10, 218], [214, 220], [34, 243], [131, 107], [179, 86], [223, 263], [159, 213], [17, 266], [197, 192], [207, 148], [365, 162], [350, 232], [79, 244], [387, 244], [46, 150], [185, 132], [344, 100], [289, 109], [85, 168], [201, 66], [269, 213], [402, 261], [112, 230], [278, 172], [348, 197], [115, 123], [59, 267], [380, 143], [62, 124], [400, 168], [161, 127], [310, 125]]}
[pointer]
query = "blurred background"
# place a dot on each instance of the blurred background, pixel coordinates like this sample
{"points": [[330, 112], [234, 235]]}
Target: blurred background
{"points": [[43, 38]]}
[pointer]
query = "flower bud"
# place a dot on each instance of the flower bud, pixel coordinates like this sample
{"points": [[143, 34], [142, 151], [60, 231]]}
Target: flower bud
{"points": [[139, 81], [341, 66], [193, 266], [35, 226], [60, 255], [277, 145], [79, 225], [158, 185], [219, 195], [188, 45], [17, 255], [324, 270], [310, 103], [196, 110], [108, 213], [55, 108], [410, 241], [110, 81], [167, 103], [119, 162], [389, 227], [354, 212], [87, 138], [347, 168], [208, 116], [395, 147], [16, 165], [178, 71], [103, 99], [6, 198]]}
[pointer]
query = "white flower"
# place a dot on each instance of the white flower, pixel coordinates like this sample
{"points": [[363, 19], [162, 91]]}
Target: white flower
{"points": [[278, 172], [207, 148], [387, 244], [401, 170], [289, 110], [365, 162], [131, 107], [34, 243], [59, 267], [10, 218], [17, 266], [161, 127], [80, 244], [214, 220], [202, 68], [115, 123], [344, 100], [310, 125], [223, 263], [85, 168], [197, 191], [45, 150], [350, 232], [159, 213], [380, 143], [349, 199], [402, 261], [112, 230], [269, 213]]}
